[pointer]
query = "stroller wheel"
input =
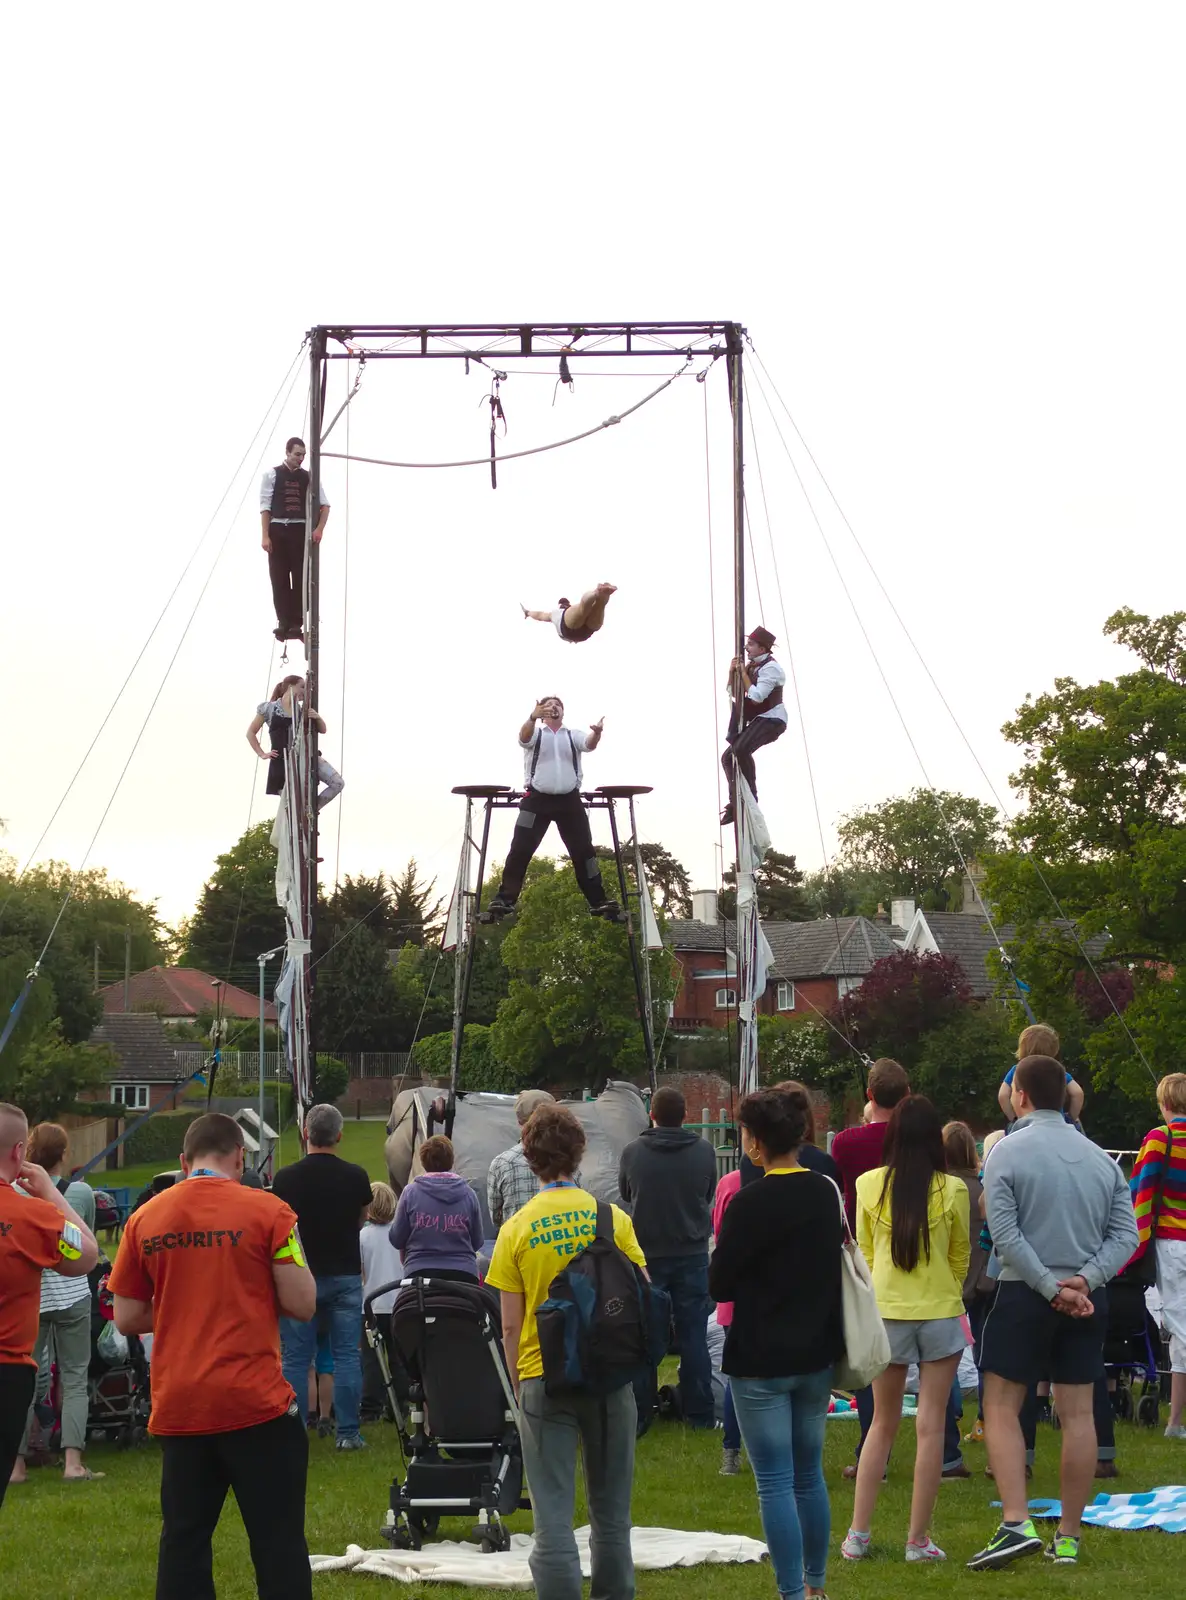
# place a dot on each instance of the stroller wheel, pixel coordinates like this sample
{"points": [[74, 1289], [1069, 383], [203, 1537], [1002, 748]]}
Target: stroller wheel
{"points": [[1122, 1402], [1148, 1410], [425, 1526]]}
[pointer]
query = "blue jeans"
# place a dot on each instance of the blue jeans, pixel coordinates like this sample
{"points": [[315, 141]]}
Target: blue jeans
{"points": [[783, 1422], [731, 1438], [686, 1280], [339, 1301]]}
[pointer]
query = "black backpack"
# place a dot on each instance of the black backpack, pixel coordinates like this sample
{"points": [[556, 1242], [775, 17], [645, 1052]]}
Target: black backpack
{"points": [[603, 1323]]}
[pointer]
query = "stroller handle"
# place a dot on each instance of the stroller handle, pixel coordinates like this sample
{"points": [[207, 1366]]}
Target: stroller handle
{"points": [[466, 1290]]}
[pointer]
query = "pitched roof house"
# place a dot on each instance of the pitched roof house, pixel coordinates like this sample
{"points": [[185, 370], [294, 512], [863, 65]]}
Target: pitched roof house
{"points": [[148, 1074], [182, 994]]}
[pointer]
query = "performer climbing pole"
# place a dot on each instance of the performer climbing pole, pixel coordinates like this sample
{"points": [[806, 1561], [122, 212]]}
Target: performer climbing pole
{"points": [[278, 714], [552, 793], [758, 716], [283, 513], [576, 623]]}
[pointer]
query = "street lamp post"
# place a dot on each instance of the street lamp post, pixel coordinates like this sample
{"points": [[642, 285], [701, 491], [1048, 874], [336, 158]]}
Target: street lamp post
{"points": [[263, 961]]}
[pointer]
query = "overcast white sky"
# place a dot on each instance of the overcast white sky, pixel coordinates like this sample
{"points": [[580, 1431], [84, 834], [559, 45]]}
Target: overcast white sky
{"points": [[954, 233]]}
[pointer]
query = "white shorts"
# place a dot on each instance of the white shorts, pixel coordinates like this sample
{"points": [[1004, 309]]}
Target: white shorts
{"points": [[1171, 1285]]}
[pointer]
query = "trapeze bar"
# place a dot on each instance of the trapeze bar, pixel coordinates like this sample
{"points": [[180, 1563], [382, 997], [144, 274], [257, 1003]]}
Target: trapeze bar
{"points": [[499, 797]]}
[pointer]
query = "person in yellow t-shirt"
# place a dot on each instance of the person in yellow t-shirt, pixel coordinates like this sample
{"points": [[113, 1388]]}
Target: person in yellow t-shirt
{"points": [[533, 1246], [912, 1227]]}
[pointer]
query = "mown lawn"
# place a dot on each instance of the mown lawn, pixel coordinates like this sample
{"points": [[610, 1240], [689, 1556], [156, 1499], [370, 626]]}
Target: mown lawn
{"points": [[77, 1541], [361, 1141]]}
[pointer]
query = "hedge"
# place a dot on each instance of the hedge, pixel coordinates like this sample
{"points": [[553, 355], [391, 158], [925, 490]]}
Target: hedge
{"points": [[160, 1139]]}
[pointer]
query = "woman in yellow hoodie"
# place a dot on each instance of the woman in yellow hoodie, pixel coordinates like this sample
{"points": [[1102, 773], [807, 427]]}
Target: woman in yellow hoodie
{"points": [[912, 1227]]}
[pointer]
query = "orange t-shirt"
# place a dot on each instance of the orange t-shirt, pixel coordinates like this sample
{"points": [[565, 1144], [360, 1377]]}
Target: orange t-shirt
{"points": [[202, 1252], [31, 1235]]}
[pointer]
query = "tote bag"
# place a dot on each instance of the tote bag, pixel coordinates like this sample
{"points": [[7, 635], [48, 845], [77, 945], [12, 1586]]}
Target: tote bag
{"points": [[866, 1343]]}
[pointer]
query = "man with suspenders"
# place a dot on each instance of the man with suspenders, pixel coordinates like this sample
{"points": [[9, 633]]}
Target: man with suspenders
{"points": [[282, 502], [552, 784], [763, 717]]}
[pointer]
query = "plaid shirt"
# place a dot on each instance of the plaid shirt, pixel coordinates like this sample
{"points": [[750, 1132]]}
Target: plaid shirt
{"points": [[510, 1184]]}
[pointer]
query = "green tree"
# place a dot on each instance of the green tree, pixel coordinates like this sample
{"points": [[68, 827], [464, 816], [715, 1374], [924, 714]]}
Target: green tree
{"points": [[912, 845], [960, 1064], [571, 1013], [480, 1066], [414, 910], [1103, 841], [237, 917], [667, 878], [50, 1074], [792, 1047], [358, 1004], [779, 886]]}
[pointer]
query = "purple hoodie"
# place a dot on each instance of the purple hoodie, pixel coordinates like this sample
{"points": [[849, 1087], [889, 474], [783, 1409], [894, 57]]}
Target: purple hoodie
{"points": [[438, 1225]]}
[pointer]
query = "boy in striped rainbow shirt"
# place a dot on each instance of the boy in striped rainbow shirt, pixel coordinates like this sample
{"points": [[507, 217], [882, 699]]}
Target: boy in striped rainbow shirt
{"points": [[1159, 1199]]}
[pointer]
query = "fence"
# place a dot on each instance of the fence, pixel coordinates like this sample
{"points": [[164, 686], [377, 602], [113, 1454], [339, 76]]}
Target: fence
{"points": [[721, 1135], [245, 1063]]}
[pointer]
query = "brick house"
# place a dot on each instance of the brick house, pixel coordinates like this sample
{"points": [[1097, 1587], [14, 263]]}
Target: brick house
{"points": [[814, 963], [148, 1076], [182, 994]]}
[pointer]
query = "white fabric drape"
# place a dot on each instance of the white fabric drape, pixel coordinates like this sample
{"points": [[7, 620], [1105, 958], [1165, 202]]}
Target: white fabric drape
{"points": [[754, 955]]}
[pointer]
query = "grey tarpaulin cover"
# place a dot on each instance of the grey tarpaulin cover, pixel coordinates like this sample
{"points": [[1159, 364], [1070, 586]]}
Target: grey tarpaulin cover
{"points": [[485, 1125]]}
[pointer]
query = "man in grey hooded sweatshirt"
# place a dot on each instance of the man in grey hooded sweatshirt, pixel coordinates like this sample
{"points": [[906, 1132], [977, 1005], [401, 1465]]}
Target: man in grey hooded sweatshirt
{"points": [[667, 1178], [1062, 1224]]}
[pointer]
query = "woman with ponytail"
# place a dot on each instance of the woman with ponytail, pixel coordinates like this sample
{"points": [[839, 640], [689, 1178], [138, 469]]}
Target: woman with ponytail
{"points": [[912, 1227]]}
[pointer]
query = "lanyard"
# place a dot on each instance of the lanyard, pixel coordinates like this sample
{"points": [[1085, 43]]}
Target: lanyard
{"points": [[559, 1183], [207, 1172]]}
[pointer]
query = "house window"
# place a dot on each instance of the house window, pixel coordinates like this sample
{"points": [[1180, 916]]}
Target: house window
{"points": [[725, 998], [846, 986], [786, 997], [132, 1095]]}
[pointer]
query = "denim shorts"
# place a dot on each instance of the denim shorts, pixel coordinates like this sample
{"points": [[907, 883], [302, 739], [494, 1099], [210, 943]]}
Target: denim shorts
{"points": [[935, 1339]]}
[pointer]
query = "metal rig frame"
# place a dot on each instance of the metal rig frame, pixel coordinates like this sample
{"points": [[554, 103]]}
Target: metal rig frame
{"points": [[484, 343], [498, 797]]}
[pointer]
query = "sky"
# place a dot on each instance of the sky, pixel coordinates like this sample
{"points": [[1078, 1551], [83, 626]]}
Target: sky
{"points": [[954, 235]]}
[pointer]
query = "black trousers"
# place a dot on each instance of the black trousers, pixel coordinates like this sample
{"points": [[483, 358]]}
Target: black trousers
{"points": [[16, 1396], [536, 815], [286, 568], [266, 1467], [741, 747]]}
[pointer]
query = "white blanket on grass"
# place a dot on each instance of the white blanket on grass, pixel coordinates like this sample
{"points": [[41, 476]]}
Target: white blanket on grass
{"points": [[652, 1549]]}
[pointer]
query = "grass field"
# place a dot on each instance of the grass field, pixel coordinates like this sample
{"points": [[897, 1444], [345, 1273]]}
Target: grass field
{"points": [[361, 1141], [97, 1541]]}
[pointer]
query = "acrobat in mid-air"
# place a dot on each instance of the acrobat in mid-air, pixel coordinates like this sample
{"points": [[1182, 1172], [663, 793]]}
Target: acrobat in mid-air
{"points": [[578, 622], [763, 715], [283, 499], [552, 793], [278, 714]]}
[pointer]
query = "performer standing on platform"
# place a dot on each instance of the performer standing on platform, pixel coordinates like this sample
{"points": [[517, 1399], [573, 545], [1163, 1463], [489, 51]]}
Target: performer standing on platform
{"points": [[278, 713], [763, 715], [283, 497], [552, 784], [576, 623]]}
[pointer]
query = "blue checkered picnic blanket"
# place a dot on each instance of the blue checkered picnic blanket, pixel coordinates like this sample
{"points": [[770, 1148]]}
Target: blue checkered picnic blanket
{"points": [[1163, 1508]]}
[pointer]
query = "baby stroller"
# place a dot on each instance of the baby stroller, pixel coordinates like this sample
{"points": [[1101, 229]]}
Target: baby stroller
{"points": [[118, 1401], [459, 1427], [1130, 1353]]}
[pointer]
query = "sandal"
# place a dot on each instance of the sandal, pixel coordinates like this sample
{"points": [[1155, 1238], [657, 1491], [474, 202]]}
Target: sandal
{"points": [[85, 1476]]}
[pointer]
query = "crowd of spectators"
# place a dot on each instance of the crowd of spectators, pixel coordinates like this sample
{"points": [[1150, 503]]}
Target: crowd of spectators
{"points": [[254, 1300]]}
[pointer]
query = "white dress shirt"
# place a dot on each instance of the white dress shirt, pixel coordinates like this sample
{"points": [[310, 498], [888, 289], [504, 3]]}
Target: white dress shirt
{"points": [[554, 769], [267, 487], [770, 676]]}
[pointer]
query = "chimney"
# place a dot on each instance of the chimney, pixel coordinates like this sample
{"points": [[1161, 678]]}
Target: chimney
{"points": [[704, 906], [973, 887], [901, 913]]}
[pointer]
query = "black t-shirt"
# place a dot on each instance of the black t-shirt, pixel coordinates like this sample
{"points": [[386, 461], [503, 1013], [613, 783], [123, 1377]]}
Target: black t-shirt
{"points": [[777, 1259], [328, 1196]]}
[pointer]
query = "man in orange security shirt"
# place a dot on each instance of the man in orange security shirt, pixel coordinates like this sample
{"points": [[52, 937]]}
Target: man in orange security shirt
{"points": [[37, 1230], [208, 1267]]}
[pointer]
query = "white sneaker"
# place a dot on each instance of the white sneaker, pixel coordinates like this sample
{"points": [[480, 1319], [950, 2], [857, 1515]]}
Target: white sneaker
{"points": [[855, 1546], [927, 1551], [1175, 1431]]}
